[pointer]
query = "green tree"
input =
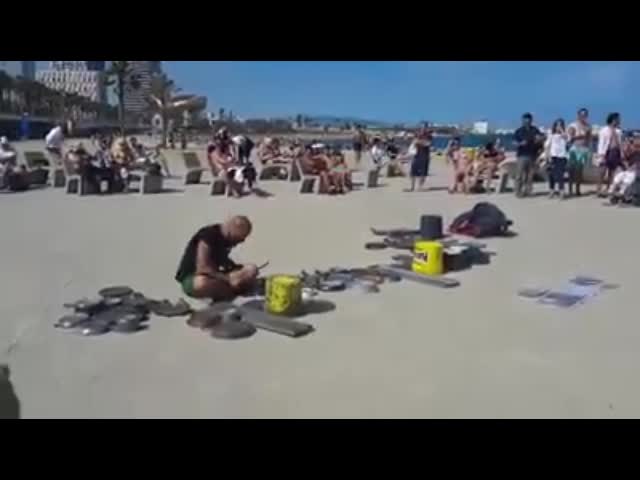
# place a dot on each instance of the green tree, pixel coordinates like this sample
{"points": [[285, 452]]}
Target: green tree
{"points": [[120, 76]]}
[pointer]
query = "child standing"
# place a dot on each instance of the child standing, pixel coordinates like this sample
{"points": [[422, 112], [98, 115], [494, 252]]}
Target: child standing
{"points": [[557, 155]]}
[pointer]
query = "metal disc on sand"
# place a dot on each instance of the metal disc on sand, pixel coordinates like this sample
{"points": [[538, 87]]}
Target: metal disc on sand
{"points": [[204, 319], [71, 321], [119, 291], [232, 330]]}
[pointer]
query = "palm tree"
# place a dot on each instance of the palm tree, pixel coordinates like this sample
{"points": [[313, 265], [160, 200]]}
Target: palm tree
{"points": [[120, 75], [161, 100]]}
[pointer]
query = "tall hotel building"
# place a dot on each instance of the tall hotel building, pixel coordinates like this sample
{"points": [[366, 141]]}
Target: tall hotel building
{"points": [[135, 101], [80, 77], [25, 68]]}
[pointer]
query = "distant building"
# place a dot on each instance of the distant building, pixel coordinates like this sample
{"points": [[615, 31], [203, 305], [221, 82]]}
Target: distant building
{"points": [[75, 77], [25, 68], [135, 100], [480, 128]]}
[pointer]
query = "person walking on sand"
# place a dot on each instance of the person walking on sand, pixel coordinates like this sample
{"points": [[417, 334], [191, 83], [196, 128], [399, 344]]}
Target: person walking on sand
{"points": [[556, 156], [528, 140], [609, 154], [421, 158], [580, 141]]}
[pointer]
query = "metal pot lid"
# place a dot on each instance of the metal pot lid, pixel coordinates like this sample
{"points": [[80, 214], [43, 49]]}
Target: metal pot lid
{"points": [[71, 321], [233, 330], [118, 291]]}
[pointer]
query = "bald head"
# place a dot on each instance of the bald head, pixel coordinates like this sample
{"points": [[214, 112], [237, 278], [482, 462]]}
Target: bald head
{"points": [[236, 229]]}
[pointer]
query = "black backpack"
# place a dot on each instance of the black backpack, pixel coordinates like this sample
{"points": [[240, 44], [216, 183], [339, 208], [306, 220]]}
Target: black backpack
{"points": [[483, 220]]}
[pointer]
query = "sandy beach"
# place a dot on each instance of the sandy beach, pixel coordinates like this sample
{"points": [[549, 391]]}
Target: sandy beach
{"points": [[409, 351]]}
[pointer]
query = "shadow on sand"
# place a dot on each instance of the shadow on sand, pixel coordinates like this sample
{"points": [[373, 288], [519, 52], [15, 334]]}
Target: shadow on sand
{"points": [[9, 403]]}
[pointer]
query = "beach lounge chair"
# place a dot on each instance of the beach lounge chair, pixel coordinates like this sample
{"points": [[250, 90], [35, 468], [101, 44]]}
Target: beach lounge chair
{"points": [[270, 172], [147, 182], [193, 168], [72, 181], [39, 167], [219, 187], [308, 183]]}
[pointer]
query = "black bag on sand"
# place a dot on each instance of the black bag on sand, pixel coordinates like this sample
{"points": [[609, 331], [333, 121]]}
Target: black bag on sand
{"points": [[484, 220], [18, 182]]}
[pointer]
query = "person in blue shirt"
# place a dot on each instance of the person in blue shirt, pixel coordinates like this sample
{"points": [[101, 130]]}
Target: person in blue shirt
{"points": [[25, 127]]}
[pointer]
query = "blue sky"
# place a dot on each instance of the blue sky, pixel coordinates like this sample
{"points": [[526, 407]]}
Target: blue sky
{"points": [[412, 91]]}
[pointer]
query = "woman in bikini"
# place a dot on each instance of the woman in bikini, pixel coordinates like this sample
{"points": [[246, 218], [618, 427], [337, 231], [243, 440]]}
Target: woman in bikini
{"points": [[454, 156]]}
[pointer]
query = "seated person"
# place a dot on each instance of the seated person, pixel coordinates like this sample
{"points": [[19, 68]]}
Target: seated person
{"points": [[100, 168], [225, 164], [138, 150], [316, 162], [143, 159], [122, 156], [206, 271], [624, 179], [484, 167], [339, 174], [270, 153], [8, 155]]}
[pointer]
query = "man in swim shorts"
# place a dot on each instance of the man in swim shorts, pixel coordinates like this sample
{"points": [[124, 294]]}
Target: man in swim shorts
{"points": [[206, 271], [581, 141]]}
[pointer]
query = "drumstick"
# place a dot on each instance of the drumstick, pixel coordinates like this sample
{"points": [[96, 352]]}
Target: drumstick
{"points": [[263, 266]]}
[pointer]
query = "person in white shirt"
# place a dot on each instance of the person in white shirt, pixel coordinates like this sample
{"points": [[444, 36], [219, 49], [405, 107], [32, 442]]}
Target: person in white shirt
{"points": [[556, 155], [54, 142], [609, 153], [378, 152]]}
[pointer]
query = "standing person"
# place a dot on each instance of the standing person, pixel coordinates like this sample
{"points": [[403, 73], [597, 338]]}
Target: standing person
{"points": [[359, 144], [244, 146], [556, 155], [378, 152], [528, 140], [580, 141], [54, 142], [455, 157], [25, 127], [421, 159], [609, 154]]}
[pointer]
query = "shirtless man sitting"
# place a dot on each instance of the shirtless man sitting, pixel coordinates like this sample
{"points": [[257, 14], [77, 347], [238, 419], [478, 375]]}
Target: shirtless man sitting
{"points": [[270, 152], [206, 271]]}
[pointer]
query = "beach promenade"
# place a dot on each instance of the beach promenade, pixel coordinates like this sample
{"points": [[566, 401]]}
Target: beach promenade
{"points": [[410, 351]]}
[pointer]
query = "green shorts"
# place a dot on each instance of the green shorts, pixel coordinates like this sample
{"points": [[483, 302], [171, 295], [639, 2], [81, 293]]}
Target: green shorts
{"points": [[187, 285], [579, 156]]}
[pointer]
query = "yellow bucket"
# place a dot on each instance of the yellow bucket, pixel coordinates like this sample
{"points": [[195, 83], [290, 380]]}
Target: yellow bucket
{"points": [[428, 258], [283, 295]]}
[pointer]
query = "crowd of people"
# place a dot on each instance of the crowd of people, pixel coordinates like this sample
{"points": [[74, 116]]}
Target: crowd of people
{"points": [[108, 168], [562, 155]]}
